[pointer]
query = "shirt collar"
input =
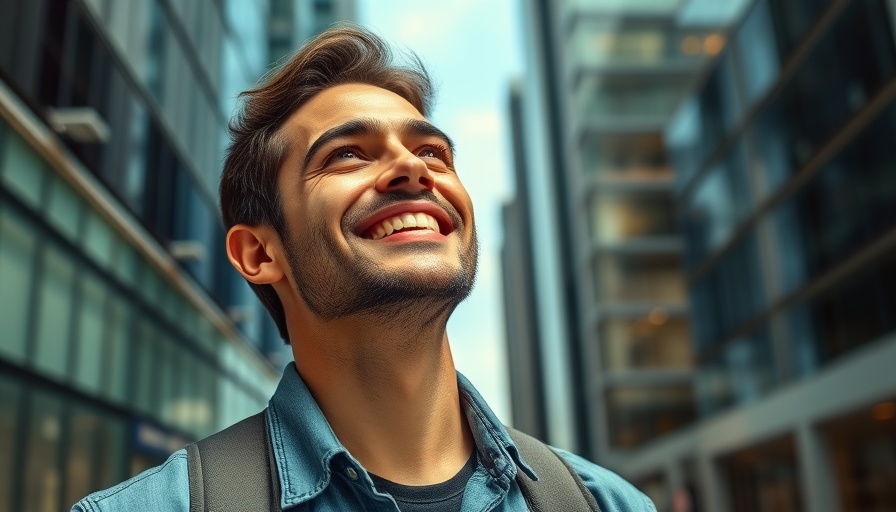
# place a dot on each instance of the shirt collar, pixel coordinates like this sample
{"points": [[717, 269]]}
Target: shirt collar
{"points": [[305, 447]]}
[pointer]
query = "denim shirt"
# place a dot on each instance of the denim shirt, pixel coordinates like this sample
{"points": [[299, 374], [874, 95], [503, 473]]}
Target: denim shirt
{"points": [[317, 473]]}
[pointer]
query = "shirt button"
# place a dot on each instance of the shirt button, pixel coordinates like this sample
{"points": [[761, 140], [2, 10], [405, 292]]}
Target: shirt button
{"points": [[351, 473]]}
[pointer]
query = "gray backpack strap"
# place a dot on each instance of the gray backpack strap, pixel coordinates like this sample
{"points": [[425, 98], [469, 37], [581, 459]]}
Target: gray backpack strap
{"points": [[559, 487], [234, 469]]}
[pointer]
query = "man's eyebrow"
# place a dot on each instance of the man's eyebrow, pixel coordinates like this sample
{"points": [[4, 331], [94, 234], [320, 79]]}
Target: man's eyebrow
{"points": [[423, 128], [368, 125]]}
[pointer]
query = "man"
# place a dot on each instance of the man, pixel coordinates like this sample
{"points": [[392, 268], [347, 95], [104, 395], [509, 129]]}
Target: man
{"points": [[347, 218]]}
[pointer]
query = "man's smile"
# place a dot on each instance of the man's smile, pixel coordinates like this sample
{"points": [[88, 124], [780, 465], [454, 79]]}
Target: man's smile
{"points": [[416, 218]]}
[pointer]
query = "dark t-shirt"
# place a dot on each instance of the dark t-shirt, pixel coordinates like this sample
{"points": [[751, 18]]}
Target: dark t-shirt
{"points": [[444, 497]]}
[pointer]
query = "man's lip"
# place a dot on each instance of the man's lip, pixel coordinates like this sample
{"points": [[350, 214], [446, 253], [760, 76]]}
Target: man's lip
{"points": [[427, 207]]}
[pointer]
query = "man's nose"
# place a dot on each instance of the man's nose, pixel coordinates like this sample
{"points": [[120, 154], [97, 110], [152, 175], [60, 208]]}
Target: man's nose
{"points": [[408, 172]]}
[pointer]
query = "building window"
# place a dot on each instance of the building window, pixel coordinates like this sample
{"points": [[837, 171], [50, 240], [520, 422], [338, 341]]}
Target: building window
{"points": [[738, 372], [763, 477], [862, 448], [652, 341], [619, 217], [18, 246], [644, 278], [627, 158], [640, 414]]}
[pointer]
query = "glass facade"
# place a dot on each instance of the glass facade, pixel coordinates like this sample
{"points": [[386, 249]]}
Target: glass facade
{"points": [[784, 188], [774, 204], [118, 347], [765, 203]]}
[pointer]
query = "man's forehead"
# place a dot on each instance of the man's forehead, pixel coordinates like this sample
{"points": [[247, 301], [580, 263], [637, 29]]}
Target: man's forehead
{"points": [[343, 103]]}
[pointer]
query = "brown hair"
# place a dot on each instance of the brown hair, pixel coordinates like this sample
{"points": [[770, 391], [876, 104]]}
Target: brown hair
{"points": [[343, 54]]}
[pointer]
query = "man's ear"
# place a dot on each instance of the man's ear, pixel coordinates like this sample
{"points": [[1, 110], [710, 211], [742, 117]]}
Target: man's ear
{"points": [[250, 251]]}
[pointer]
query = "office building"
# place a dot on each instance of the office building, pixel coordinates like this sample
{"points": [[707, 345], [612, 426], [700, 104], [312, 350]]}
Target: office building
{"points": [[603, 80], [783, 189], [124, 332]]}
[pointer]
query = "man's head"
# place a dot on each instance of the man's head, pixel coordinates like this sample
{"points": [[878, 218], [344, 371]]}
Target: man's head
{"points": [[329, 153]]}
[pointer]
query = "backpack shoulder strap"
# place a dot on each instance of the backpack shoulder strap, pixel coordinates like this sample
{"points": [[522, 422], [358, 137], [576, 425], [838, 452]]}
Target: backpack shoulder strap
{"points": [[234, 469], [558, 487]]}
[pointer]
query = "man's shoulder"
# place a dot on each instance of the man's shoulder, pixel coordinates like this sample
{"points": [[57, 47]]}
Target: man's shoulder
{"points": [[612, 492], [163, 488]]}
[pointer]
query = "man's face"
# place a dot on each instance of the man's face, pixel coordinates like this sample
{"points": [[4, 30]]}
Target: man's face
{"points": [[376, 217]]}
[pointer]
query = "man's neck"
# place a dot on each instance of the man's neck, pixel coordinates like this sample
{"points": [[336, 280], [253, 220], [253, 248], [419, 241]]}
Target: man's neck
{"points": [[391, 396]]}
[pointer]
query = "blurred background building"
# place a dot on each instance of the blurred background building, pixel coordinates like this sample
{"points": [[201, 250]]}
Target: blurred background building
{"points": [[124, 331], [730, 330]]}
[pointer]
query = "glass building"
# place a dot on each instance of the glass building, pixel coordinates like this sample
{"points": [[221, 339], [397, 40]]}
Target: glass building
{"points": [[758, 375], [124, 333], [610, 301]]}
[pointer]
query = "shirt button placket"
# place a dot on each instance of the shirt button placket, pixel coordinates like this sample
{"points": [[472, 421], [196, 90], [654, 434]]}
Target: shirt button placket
{"points": [[350, 471]]}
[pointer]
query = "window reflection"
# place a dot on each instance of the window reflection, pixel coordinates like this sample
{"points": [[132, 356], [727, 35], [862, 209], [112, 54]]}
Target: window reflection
{"points": [[845, 69], [847, 205], [739, 372], [720, 201], [730, 293]]}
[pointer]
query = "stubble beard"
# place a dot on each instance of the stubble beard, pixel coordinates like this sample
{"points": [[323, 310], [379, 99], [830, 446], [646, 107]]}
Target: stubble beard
{"points": [[334, 287]]}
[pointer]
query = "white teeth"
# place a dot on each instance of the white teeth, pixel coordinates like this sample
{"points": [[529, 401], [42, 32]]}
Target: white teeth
{"points": [[399, 222]]}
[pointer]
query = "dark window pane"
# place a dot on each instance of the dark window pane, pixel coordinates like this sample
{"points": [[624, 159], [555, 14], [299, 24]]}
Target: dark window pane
{"points": [[853, 61], [10, 399], [763, 478], [42, 477], [862, 447], [640, 414], [847, 205]]}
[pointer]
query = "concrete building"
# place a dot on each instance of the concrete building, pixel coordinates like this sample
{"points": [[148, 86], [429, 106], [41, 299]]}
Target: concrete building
{"points": [[124, 332], [783, 189]]}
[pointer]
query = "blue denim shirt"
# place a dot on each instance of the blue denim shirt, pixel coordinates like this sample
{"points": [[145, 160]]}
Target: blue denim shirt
{"points": [[317, 473]]}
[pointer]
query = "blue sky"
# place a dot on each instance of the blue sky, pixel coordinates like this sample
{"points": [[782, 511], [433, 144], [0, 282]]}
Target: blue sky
{"points": [[470, 48]]}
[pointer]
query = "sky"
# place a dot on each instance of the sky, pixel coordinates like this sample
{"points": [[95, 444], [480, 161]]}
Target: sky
{"points": [[471, 49]]}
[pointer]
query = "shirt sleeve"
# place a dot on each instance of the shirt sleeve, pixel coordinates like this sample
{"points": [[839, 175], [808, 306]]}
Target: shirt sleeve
{"points": [[163, 488], [612, 492]]}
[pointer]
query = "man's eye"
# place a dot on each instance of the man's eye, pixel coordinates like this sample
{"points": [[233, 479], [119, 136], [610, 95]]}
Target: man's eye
{"points": [[345, 153], [434, 152]]}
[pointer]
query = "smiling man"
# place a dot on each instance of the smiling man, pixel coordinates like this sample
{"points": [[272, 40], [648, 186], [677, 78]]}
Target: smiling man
{"points": [[347, 217]]}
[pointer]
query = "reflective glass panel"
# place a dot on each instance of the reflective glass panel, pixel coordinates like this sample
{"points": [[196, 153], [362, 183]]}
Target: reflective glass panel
{"points": [[17, 266], [55, 312], [92, 322]]}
